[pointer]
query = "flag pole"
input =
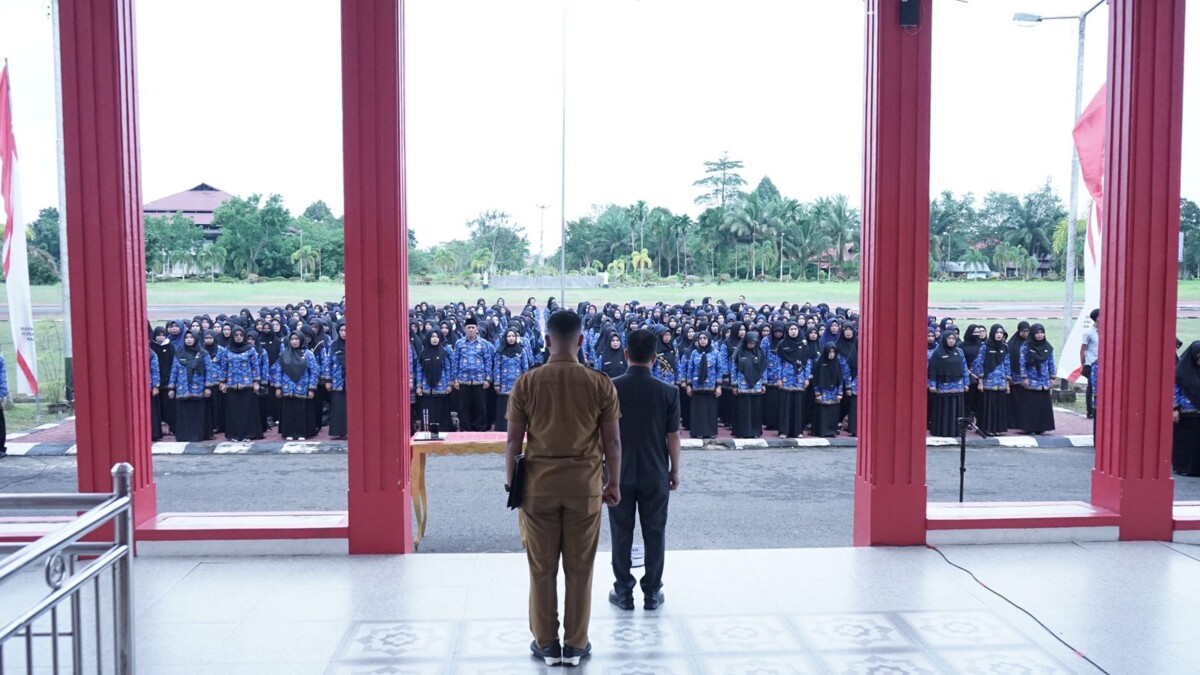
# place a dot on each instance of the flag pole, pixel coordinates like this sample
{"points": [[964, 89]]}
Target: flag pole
{"points": [[63, 271]]}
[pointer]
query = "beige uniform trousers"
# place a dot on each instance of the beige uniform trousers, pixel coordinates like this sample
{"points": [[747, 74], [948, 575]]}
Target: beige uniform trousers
{"points": [[566, 528]]}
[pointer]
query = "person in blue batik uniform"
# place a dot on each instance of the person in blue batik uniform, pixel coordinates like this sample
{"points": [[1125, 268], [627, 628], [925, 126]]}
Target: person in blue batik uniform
{"points": [[746, 375], [828, 386], [511, 362], [773, 395], [240, 378], [706, 367], [214, 405], [948, 380], [155, 406], [1185, 446], [264, 380], [295, 378], [1035, 414], [335, 383], [847, 346], [189, 386], [993, 369], [472, 367], [666, 361], [435, 380], [792, 376]]}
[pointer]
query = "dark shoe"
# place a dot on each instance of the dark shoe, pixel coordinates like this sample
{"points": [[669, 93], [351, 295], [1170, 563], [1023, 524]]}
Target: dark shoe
{"points": [[655, 600], [552, 653], [572, 656], [623, 601]]}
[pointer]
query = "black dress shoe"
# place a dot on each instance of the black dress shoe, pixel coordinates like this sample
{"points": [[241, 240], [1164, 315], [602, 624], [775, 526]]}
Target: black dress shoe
{"points": [[622, 601], [552, 653], [655, 600], [572, 655]]}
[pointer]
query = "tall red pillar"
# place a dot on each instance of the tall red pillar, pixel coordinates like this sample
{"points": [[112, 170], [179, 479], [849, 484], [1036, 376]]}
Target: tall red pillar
{"points": [[376, 276], [889, 488], [1141, 231], [105, 242]]}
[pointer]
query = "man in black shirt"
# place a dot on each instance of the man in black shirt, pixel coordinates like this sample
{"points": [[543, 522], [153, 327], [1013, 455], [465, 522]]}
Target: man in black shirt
{"points": [[649, 470]]}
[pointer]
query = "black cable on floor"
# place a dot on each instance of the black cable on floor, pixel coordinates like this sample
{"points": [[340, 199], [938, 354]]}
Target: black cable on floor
{"points": [[1186, 555], [45, 467], [1000, 595]]}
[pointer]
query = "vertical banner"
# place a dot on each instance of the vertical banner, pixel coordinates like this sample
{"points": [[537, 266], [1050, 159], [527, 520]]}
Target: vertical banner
{"points": [[1089, 147], [15, 254]]}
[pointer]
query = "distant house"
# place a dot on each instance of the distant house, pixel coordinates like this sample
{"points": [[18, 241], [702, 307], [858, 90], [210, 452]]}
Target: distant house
{"points": [[198, 203], [961, 270]]}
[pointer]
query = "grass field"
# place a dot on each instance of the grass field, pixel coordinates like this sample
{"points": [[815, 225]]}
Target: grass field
{"points": [[222, 295]]}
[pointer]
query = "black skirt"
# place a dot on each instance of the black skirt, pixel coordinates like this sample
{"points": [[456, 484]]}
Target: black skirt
{"points": [[218, 409], [190, 419], [704, 415], [973, 401], [992, 416], [685, 410], [501, 411], [337, 414], [1185, 445], [293, 418], [155, 418], [944, 413], [726, 406], [1035, 414], [825, 420], [439, 410], [241, 415], [771, 408], [747, 422], [166, 409], [791, 413], [850, 412]]}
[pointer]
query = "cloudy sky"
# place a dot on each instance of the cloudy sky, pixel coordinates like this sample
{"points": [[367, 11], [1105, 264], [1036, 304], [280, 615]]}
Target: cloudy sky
{"points": [[245, 95]]}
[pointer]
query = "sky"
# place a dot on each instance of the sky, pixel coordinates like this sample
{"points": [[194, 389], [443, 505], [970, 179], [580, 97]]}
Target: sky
{"points": [[245, 95]]}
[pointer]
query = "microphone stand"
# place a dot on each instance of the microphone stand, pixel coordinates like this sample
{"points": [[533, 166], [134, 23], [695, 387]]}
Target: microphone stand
{"points": [[965, 424]]}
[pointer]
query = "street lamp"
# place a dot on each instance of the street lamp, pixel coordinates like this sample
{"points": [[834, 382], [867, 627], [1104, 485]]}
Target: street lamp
{"points": [[1026, 19]]}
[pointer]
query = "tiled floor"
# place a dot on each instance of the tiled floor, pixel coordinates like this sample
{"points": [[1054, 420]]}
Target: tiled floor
{"points": [[1130, 607]]}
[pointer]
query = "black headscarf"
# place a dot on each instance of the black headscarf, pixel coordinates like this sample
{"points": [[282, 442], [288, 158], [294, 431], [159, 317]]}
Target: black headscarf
{"points": [[792, 350], [433, 359], [945, 364], [733, 342], [848, 348], [512, 350], [812, 344], [702, 376], [750, 360], [339, 347], [293, 360], [612, 361], [1187, 373], [1037, 352], [971, 344], [1014, 347], [234, 346], [997, 351], [166, 354], [214, 347], [193, 358], [827, 372]]}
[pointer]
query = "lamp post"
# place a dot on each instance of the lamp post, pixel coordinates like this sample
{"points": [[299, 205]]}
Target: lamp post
{"points": [[1024, 19], [542, 236]]}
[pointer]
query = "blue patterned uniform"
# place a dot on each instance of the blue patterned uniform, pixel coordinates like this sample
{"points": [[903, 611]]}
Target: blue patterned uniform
{"points": [[3, 379], [153, 371], [240, 371], [1039, 378], [216, 371], [412, 374], [739, 382], [716, 370], [264, 367], [507, 369], [851, 380], [1182, 402], [953, 387], [663, 372], [829, 395], [289, 387], [998, 379], [794, 379], [446, 383], [773, 372], [185, 388], [335, 374], [473, 361]]}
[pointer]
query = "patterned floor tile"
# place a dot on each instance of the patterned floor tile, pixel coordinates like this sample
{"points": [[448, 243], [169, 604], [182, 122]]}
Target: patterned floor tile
{"points": [[394, 640], [637, 635], [894, 663], [640, 666], [963, 628], [428, 668], [741, 634], [506, 666], [1018, 661], [778, 664], [850, 631], [503, 638]]}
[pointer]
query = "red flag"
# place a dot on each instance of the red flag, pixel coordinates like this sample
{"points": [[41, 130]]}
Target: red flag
{"points": [[1089, 145]]}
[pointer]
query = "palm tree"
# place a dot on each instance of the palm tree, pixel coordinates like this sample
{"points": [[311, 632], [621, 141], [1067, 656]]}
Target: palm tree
{"points": [[304, 258], [210, 257], [444, 260], [803, 239], [1029, 266], [750, 219], [641, 262], [839, 223], [974, 258], [1059, 246]]}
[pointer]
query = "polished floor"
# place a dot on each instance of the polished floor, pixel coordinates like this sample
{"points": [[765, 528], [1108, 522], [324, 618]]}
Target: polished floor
{"points": [[1130, 607]]}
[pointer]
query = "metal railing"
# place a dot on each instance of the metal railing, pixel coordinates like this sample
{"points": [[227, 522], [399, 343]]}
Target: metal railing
{"points": [[74, 570]]}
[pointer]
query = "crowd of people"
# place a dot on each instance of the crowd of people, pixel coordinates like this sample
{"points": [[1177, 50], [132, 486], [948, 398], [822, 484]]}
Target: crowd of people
{"points": [[789, 369]]}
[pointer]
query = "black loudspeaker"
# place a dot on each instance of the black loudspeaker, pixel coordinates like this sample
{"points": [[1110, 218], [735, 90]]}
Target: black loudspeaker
{"points": [[910, 13]]}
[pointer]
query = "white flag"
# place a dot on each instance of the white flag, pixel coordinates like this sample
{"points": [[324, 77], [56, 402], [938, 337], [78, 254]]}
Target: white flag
{"points": [[1068, 362], [15, 255]]}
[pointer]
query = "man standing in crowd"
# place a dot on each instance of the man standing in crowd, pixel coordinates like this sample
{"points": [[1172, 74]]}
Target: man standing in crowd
{"points": [[1089, 352], [571, 416], [649, 470], [473, 365]]}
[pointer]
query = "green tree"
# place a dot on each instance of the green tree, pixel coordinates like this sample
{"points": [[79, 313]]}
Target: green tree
{"points": [[305, 259], [170, 241], [720, 183], [318, 211], [750, 220], [1059, 245], [43, 233], [1189, 228], [1028, 222], [503, 240], [767, 191], [840, 224], [803, 237], [210, 257], [949, 220], [641, 262], [248, 232]]}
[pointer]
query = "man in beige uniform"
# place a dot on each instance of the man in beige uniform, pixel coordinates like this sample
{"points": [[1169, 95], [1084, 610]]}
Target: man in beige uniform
{"points": [[571, 416]]}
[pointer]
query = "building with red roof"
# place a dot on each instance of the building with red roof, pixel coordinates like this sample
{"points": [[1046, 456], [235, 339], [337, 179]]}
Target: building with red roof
{"points": [[198, 203]]}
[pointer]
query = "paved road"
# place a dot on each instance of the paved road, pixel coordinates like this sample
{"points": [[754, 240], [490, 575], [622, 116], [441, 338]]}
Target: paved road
{"points": [[728, 500]]}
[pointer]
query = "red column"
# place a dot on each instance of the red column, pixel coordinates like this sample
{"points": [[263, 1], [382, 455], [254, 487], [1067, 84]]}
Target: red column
{"points": [[1141, 231], [376, 276], [889, 489], [104, 239]]}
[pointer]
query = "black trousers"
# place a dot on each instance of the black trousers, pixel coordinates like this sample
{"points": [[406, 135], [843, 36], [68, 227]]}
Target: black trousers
{"points": [[1087, 373], [650, 505], [475, 412]]}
